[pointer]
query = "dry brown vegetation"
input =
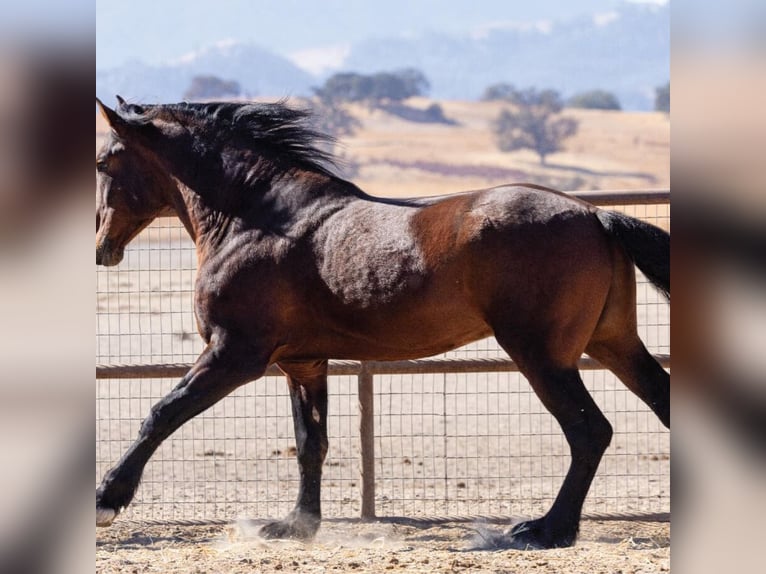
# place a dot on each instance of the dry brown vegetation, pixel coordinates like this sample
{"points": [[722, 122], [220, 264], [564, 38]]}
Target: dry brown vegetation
{"points": [[612, 150], [392, 157]]}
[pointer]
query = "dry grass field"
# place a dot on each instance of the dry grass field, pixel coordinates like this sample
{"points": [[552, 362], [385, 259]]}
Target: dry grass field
{"points": [[612, 150], [391, 157]]}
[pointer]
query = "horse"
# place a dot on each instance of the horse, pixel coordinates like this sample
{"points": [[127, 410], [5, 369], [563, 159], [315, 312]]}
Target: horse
{"points": [[297, 266]]}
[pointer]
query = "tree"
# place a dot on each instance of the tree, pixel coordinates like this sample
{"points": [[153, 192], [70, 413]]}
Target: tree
{"points": [[415, 81], [534, 124], [662, 98], [435, 113], [208, 87], [387, 86], [501, 91], [373, 89], [543, 99], [345, 87], [331, 118], [595, 100]]}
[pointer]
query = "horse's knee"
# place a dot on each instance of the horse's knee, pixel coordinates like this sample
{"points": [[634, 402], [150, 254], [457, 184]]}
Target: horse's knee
{"points": [[156, 420]]}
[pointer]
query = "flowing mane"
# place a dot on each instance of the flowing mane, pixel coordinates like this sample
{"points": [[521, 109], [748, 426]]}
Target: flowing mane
{"points": [[286, 131]]}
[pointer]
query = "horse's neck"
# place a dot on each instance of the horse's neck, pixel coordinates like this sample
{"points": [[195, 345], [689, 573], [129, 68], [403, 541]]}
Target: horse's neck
{"points": [[189, 209], [207, 219]]}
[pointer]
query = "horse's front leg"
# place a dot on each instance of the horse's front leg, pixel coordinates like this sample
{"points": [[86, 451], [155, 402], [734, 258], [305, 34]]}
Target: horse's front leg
{"points": [[218, 371], [308, 394]]}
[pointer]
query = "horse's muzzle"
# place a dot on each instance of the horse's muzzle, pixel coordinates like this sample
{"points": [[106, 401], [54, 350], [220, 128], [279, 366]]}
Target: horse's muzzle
{"points": [[106, 255]]}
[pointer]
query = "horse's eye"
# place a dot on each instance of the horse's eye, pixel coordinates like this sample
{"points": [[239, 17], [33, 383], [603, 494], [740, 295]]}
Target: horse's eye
{"points": [[101, 165]]}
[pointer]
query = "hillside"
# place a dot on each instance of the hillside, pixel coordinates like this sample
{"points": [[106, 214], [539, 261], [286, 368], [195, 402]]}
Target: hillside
{"points": [[389, 156], [256, 69], [625, 51]]}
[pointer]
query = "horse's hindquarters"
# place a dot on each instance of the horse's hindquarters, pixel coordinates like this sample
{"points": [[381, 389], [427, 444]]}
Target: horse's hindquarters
{"points": [[545, 286]]}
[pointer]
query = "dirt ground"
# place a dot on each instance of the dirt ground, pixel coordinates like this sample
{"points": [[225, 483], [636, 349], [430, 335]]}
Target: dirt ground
{"points": [[347, 546]]}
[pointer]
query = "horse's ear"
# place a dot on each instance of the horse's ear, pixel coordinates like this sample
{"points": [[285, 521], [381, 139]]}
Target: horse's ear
{"points": [[126, 109], [112, 117]]}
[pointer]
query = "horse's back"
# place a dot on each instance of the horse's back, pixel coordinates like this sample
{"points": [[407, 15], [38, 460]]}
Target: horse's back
{"points": [[517, 220], [474, 251], [373, 252]]}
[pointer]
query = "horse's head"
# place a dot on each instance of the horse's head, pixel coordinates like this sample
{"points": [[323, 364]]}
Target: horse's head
{"points": [[132, 189]]}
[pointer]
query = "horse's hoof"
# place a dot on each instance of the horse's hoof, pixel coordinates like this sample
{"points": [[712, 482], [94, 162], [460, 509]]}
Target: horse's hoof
{"points": [[104, 516], [533, 535], [294, 527]]}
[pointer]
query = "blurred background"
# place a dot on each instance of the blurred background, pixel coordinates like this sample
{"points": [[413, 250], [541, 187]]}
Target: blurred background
{"points": [[425, 97], [719, 320]]}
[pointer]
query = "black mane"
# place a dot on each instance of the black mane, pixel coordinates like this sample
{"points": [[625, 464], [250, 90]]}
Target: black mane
{"points": [[283, 130]]}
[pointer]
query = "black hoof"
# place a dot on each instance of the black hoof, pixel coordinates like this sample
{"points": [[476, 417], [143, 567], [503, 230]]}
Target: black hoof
{"points": [[297, 526], [536, 535]]}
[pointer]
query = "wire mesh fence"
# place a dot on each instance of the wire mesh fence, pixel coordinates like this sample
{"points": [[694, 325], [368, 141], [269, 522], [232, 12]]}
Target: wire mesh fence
{"points": [[445, 444]]}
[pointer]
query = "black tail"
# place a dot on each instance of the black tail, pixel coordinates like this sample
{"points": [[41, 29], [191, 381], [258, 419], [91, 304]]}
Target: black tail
{"points": [[647, 245]]}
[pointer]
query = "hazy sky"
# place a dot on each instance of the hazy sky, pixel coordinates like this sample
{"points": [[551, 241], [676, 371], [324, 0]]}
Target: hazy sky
{"points": [[154, 31]]}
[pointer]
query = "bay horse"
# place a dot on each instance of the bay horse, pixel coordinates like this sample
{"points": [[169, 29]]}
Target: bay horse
{"points": [[297, 266]]}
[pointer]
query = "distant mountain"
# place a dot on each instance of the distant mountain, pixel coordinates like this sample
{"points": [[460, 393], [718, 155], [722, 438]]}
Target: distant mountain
{"points": [[625, 51], [258, 71]]}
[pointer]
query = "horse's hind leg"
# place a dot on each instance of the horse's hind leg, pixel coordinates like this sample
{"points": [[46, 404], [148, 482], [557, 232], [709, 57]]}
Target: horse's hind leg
{"points": [[549, 362], [616, 345], [308, 393], [588, 433], [217, 372], [628, 358]]}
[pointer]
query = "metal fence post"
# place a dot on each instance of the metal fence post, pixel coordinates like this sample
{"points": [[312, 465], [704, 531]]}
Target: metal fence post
{"points": [[367, 441]]}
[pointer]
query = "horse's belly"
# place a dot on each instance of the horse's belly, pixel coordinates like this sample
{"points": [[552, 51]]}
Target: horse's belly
{"points": [[418, 344], [393, 334]]}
